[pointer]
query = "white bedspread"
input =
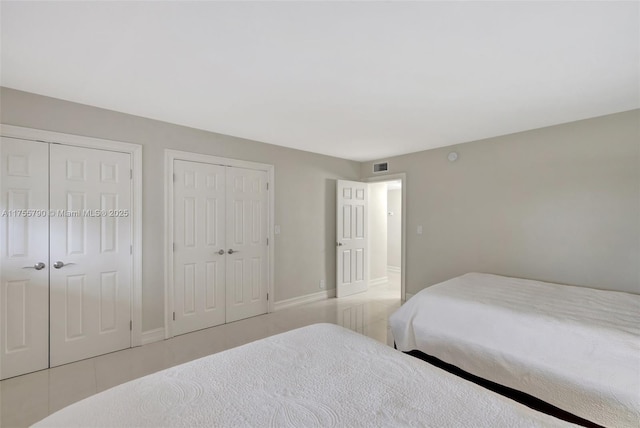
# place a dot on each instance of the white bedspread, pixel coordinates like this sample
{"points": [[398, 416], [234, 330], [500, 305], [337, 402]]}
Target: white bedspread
{"points": [[576, 348], [321, 375]]}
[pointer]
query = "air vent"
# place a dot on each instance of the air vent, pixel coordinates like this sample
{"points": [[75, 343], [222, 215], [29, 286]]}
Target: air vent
{"points": [[381, 167]]}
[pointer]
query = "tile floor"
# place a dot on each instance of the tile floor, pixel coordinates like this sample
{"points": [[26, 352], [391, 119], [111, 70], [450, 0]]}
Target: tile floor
{"points": [[26, 399]]}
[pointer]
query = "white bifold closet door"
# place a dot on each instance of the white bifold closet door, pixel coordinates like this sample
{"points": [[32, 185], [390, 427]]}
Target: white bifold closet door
{"points": [[90, 254], [24, 270], [199, 250], [65, 283], [247, 274], [220, 245]]}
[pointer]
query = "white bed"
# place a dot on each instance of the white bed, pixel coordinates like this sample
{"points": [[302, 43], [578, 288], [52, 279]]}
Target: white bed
{"points": [[321, 375], [573, 347]]}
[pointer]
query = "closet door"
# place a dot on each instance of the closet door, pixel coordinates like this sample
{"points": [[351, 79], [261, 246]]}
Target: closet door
{"points": [[199, 247], [247, 273], [24, 270], [90, 250]]}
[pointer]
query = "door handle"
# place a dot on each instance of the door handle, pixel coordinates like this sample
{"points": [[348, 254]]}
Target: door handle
{"points": [[231, 251], [221, 252], [339, 244], [60, 264], [37, 266]]}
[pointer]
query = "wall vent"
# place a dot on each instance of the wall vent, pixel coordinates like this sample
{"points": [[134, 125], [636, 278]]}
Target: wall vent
{"points": [[381, 167]]}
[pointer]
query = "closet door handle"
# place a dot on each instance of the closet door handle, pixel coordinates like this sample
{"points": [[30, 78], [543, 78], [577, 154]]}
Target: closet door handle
{"points": [[221, 252], [231, 251], [60, 264], [37, 266]]}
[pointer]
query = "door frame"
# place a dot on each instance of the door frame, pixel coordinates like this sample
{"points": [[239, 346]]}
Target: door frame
{"points": [[171, 155], [403, 247], [135, 151]]}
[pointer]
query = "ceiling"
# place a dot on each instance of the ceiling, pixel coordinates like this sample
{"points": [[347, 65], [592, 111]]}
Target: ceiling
{"points": [[357, 80]]}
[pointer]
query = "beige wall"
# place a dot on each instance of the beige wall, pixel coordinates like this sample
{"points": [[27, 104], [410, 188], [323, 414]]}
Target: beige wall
{"points": [[394, 228], [305, 188], [377, 231], [557, 204]]}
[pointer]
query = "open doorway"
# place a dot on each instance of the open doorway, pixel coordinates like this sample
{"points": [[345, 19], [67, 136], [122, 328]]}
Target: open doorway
{"points": [[385, 235], [371, 236]]}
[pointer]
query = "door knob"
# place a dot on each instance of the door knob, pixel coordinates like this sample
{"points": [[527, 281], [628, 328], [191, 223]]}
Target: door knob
{"points": [[231, 251], [37, 266], [339, 244], [221, 252], [60, 264]]}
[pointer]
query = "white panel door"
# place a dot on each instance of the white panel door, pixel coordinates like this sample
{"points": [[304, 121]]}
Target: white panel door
{"points": [[24, 270], [91, 262], [247, 273], [351, 237], [199, 247]]}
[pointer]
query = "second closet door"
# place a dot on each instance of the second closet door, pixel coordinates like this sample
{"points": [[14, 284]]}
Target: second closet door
{"points": [[220, 245]]}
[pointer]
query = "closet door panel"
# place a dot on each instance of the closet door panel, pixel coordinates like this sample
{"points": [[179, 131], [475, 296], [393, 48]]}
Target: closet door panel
{"points": [[247, 269], [199, 235], [91, 262], [24, 270]]}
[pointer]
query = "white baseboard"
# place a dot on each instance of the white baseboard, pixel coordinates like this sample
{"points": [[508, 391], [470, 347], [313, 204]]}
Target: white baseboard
{"points": [[378, 281], [407, 296], [301, 300], [151, 336], [393, 269]]}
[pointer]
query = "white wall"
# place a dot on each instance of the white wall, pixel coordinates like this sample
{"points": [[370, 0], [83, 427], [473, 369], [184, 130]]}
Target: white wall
{"points": [[394, 228], [377, 232], [305, 189], [558, 204]]}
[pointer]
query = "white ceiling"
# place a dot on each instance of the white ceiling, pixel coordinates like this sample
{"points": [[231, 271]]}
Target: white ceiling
{"points": [[357, 80]]}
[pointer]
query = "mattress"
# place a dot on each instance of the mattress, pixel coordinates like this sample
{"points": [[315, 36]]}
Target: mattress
{"points": [[321, 375], [573, 347]]}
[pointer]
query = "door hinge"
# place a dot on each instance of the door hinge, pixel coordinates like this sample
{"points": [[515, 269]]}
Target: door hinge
{"points": [[267, 185], [130, 249], [267, 242], [130, 174], [174, 178], [267, 296], [174, 246], [130, 325], [174, 316]]}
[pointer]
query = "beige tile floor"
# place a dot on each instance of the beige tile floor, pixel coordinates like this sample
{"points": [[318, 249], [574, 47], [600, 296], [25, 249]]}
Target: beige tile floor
{"points": [[26, 399]]}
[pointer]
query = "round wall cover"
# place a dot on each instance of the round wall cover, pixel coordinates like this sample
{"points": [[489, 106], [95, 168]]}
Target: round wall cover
{"points": [[452, 156]]}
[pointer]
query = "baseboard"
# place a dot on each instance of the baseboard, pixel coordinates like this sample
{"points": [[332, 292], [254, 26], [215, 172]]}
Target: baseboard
{"points": [[378, 281], [301, 300], [407, 296], [393, 269], [151, 336]]}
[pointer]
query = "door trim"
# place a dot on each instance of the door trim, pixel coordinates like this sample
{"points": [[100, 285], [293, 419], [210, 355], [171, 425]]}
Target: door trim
{"points": [[169, 157], [403, 247], [135, 151]]}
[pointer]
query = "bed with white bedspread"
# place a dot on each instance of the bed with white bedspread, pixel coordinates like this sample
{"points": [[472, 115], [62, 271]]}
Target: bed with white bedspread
{"points": [[321, 375], [573, 347]]}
